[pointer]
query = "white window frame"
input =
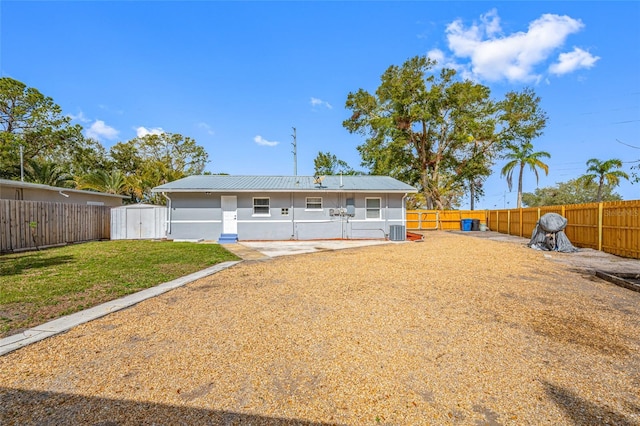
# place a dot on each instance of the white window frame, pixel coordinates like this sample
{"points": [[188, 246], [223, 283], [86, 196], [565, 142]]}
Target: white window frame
{"points": [[315, 203], [268, 206], [367, 209]]}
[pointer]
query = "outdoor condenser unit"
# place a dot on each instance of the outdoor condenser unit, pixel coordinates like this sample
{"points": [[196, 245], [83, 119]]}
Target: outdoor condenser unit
{"points": [[397, 233]]}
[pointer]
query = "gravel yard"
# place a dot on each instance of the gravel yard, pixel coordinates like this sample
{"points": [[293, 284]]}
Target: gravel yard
{"points": [[452, 330]]}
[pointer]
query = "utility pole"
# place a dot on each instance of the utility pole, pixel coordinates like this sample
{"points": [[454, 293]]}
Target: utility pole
{"points": [[21, 164], [295, 153]]}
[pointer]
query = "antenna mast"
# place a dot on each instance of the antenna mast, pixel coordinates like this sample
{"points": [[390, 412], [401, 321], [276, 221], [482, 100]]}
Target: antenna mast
{"points": [[295, 153]]}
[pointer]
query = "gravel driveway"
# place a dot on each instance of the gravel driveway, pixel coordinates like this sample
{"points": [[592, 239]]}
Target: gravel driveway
{"points": [[452, 330]]}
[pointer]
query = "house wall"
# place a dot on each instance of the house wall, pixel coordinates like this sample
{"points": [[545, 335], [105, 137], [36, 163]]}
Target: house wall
{"points": [[194, 216], [199, 216], [8, 192]]}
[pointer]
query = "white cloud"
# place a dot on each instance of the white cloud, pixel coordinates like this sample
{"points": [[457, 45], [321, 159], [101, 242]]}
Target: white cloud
{"points": [[494, 56], [569, 62], [99, 130], [491, 22], [206, 128], [143, 131], [262, 141], [80, 117], [319, 102], [437, 55]]}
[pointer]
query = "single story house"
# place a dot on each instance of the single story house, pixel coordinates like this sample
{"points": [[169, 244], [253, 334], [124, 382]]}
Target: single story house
{"points": [[230, 208], [27, 191]]}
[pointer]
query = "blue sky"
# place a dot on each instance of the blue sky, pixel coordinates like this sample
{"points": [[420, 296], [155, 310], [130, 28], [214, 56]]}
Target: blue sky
{"points": [[238, 76]]}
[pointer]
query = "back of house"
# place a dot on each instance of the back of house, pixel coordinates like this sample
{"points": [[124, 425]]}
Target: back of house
{"points": [[230, 208]]}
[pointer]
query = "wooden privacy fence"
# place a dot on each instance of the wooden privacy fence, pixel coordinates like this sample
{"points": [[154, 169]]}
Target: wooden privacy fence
{"points": [[447, 220], [612, 227], [27, 225]]}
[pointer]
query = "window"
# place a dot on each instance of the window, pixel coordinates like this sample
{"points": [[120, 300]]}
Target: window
{"points": [[314, 203], [284, 211], [372, 206], [261, 206]]}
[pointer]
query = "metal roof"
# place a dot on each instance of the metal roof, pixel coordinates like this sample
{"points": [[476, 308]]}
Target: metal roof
{"points": [[21, 184], [226, 183]]}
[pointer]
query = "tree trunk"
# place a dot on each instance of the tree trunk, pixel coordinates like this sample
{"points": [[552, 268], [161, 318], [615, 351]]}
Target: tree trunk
{"points": [[520, 185], [472, 193], [601, 184]]}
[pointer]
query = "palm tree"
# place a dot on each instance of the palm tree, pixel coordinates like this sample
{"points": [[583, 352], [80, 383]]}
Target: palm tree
{"points": [[604, 171], [46, 173], [522, 155], [114, 182]]}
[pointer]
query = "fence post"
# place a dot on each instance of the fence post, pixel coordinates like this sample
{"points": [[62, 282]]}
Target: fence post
{"points": [[520, 231], [600, 211], [508, 222]]}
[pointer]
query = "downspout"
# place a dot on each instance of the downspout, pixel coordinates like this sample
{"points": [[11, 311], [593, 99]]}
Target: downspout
{"points": [[293, 217], [386, 216], [168, 213], [404, 211], [342, 203]]}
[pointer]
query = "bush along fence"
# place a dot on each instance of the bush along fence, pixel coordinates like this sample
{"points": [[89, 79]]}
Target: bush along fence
{"points": [[612, 227], [31, 225]]}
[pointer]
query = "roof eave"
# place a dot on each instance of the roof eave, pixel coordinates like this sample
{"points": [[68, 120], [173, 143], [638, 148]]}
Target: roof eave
{"points": [[191, 190], [20, 184]]}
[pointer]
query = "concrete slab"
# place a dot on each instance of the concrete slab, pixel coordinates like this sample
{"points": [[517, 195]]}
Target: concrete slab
{"points": [[62, 324], [245, 252], [287, 248]]}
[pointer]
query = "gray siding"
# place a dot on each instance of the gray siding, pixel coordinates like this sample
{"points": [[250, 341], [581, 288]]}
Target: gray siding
{"points": [[194, 216], [199, 216]]}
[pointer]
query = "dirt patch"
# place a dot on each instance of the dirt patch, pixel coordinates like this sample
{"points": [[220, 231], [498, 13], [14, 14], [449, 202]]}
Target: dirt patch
{"points": [[451, 330]]}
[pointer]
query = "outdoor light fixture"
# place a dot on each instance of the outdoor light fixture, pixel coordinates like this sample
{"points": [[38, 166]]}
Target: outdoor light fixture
{"points": [[63, 194]]}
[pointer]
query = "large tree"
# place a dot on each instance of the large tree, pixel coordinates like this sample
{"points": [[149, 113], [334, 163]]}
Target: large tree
{"points": [[327, 163], [522, 120], [34, 123], [522, 117], [604, 172], [153, 160], [429, 130], [520, 156], [574, 191]]}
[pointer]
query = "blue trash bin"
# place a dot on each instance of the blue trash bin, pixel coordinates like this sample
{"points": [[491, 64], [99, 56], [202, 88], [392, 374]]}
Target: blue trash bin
{"points": [[466, 224]]}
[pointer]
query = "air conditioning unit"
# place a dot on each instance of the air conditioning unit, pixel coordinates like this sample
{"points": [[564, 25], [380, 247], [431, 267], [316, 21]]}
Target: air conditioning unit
{"points": [[397, 233]]}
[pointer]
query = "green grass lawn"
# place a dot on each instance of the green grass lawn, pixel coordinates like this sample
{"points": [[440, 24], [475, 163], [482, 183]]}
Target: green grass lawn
{"points": [[38, 286]]}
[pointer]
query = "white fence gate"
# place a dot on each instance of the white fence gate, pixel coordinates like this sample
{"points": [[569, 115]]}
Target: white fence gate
{"points": [[138, 222]]}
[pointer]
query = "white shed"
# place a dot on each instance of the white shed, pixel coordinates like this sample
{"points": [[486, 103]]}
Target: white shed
{"points": [[138, 222]]}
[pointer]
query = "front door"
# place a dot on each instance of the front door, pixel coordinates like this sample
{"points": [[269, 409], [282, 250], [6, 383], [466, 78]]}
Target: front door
{"points": [[229, 214]]}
